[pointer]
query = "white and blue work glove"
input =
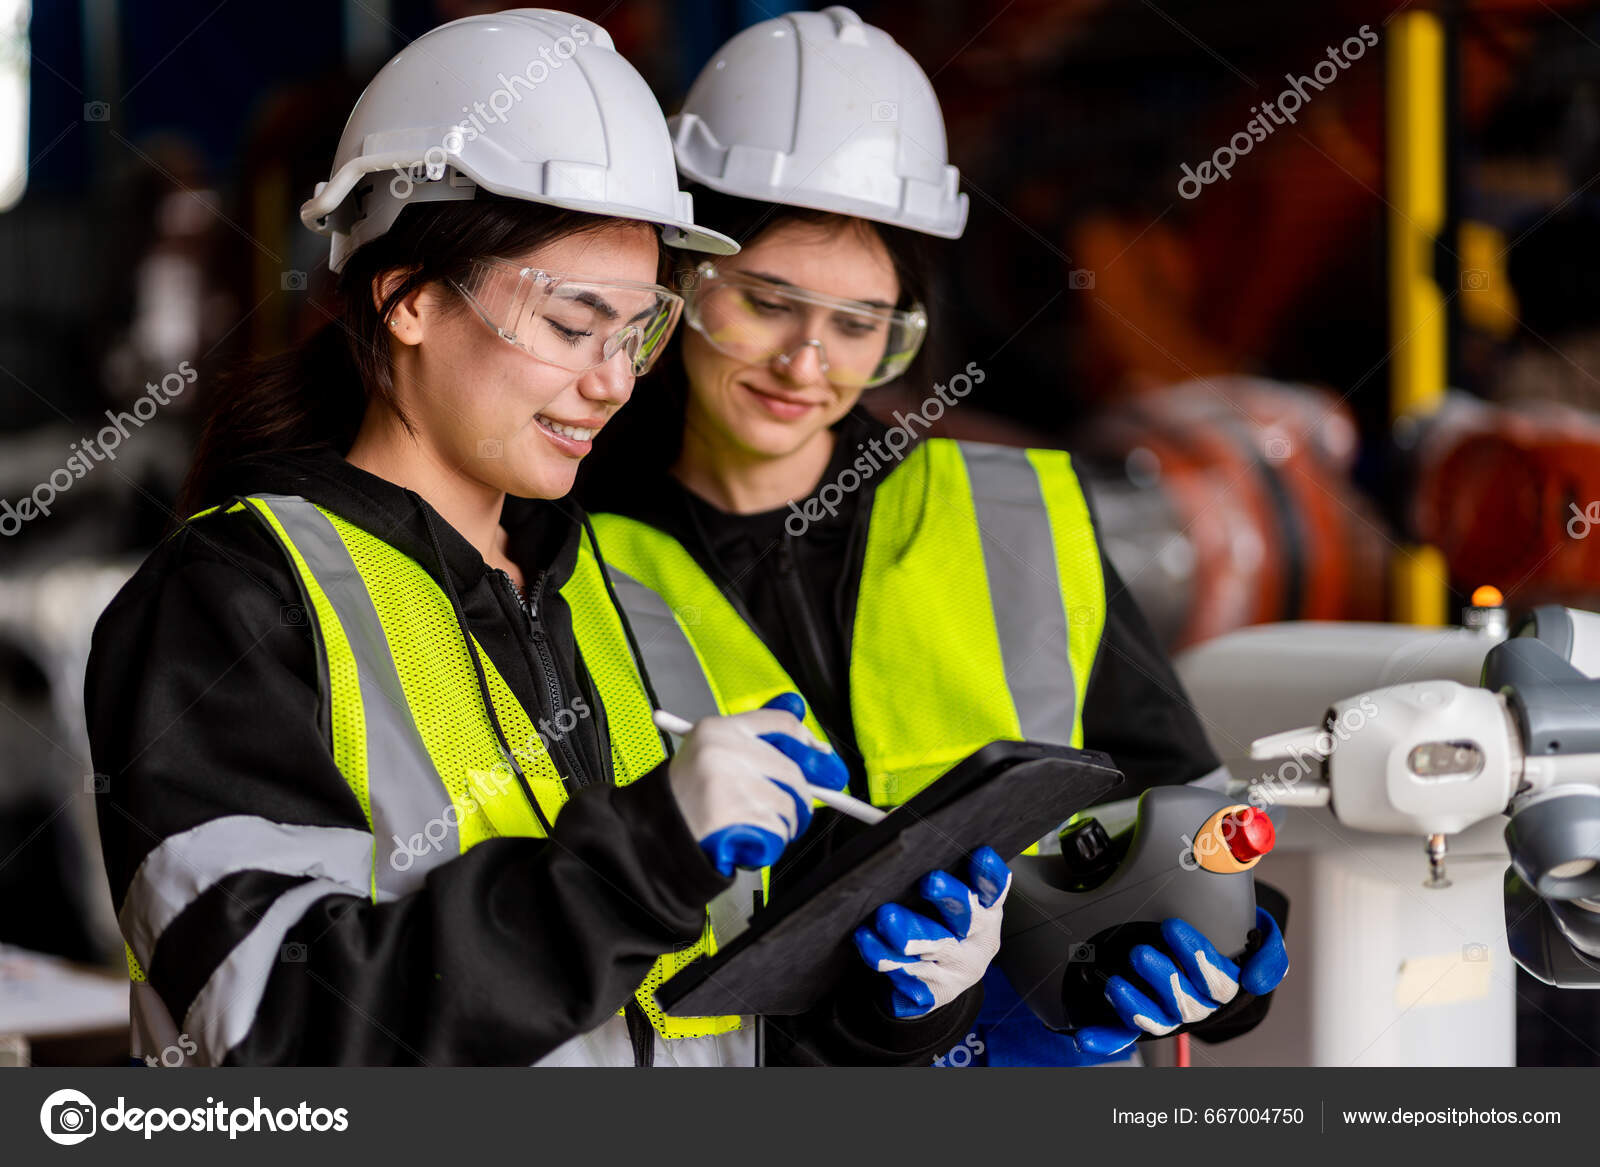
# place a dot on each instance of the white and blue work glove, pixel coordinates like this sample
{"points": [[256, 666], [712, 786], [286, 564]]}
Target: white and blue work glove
{"points": [[1188, 982], [741, 781], [931, 964]]}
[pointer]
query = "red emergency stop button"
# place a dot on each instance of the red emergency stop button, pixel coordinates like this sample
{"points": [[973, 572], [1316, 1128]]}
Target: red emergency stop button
{"points": [[1249, 833]]}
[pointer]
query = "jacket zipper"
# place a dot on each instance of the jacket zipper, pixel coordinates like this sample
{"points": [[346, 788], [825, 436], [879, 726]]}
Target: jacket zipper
{"points": [[546, 666], [641, 1034]]}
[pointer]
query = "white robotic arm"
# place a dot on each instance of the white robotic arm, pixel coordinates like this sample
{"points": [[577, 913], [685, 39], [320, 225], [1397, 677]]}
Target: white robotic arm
{"points": [[1433, 758]]}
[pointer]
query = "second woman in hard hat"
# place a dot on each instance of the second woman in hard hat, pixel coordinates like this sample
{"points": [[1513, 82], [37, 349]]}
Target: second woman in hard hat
{"points": [[377, 776], [927, 596]]}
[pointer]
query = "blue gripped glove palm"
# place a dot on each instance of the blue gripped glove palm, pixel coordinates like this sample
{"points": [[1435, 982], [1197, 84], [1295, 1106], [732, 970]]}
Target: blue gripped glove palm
{"points": [[1175, 998], [741, 780], [931, 964]]}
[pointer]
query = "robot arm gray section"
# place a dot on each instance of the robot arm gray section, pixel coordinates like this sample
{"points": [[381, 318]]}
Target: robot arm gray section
{"points": [[1559, 943], [1571, 633]]}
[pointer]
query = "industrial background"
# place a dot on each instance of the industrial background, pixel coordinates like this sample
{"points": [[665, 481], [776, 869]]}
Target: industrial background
{"points": [[1353, 378]]}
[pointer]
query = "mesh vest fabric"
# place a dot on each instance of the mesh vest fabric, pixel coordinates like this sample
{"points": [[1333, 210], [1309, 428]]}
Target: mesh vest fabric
{"points": [[937, 659], [442, 700]]}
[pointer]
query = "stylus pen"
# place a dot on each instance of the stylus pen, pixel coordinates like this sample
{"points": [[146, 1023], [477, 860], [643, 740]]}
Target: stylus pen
{"points": [[840, 801]]}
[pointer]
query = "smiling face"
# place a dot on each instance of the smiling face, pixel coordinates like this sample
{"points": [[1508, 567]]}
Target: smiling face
{"points": [[782, 407], [497, 414]]}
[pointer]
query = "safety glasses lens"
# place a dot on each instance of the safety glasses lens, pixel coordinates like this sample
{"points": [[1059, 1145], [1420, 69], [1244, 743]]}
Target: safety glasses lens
{"points": [[756, 322], [573, 324]]}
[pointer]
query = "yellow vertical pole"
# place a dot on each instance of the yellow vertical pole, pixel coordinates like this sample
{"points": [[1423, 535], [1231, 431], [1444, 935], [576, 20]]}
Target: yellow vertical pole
{"points": [[1416, 142]]}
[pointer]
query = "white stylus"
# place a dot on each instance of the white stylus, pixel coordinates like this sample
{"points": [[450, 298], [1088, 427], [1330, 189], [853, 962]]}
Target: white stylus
{"points": [[840, 801]]}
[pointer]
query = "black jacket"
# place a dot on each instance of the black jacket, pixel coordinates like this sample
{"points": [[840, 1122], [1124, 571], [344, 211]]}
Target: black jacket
{"points": [[203, 700]]}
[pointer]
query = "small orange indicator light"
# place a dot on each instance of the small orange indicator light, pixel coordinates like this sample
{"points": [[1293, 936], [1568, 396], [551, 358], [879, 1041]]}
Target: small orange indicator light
{"points": [[1487, 597]]}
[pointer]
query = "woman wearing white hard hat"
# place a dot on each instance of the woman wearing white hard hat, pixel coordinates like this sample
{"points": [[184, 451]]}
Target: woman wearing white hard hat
{"points": [[378, 781], [926, 596]]}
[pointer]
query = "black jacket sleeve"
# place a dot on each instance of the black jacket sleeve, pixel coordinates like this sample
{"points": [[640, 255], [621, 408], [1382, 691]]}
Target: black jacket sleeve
{"points": [[204, 703]]}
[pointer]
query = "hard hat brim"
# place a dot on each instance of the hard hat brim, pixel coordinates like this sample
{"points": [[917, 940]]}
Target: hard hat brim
{"points": [[320, 212], [953, 228]]}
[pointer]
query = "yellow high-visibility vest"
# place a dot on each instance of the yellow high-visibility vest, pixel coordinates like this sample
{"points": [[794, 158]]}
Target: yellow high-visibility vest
{"points": [[981, 606], [409, 732]]}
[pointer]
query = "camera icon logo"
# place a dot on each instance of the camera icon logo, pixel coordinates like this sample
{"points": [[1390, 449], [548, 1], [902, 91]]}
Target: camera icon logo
{"points": [[1278, 449], [885, 111], [1473, 280], [68, 1117], [294, 281], [97, 783], [292, 615], [96, 111], [293, 952], [1081, 954], [1080, 279], [1477, 953], [491, 448]]}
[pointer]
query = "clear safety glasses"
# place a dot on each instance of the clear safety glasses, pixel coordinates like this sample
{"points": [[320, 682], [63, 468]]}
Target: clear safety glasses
{"points": [[571, 322], [756, 320]]}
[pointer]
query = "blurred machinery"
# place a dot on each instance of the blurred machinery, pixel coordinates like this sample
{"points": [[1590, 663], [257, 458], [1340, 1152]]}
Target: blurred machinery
{"points": [[46, 618], [1227, 501], [58, 576], [1511, 496]]}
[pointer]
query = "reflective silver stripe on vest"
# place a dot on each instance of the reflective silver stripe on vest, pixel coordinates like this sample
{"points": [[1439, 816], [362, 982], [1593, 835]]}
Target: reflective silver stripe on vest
{"points": [[732, 908], [680, 685], [1019, 557], [151, 1030], [225, 1008], [186, 865], [407, 796], [675, 674]]}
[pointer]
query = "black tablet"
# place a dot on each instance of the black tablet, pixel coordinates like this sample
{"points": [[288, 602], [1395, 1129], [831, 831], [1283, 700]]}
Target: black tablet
{"points": [[1007, 795]]}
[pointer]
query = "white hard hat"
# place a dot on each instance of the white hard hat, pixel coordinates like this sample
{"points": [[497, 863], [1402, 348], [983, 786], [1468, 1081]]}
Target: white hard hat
{"points": [[531, 104], [817, 109]]}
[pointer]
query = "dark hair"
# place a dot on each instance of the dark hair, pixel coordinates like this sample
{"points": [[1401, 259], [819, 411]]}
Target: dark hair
{"points": [[318, 393], [643, 441]]}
